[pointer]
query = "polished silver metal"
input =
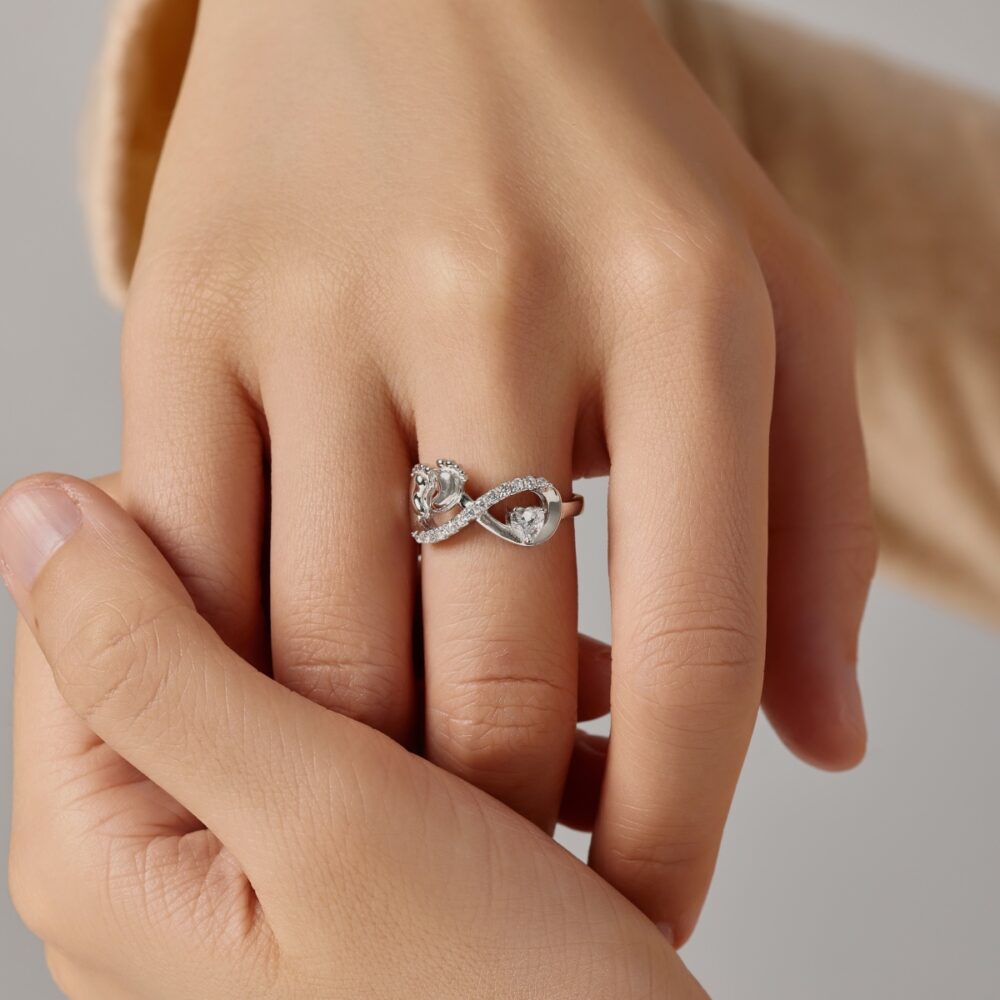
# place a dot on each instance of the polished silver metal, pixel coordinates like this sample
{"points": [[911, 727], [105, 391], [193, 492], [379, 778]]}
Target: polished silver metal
{"points": [[437, 489]]}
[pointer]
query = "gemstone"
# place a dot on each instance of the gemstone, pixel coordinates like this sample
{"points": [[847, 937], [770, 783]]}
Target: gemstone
{"points": [[526, 523]]}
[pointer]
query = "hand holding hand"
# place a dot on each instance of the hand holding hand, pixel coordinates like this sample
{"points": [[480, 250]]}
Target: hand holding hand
{"points": [[186, 827]]}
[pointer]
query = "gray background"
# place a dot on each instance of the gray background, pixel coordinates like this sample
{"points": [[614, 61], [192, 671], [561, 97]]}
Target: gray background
{"points": [[884, 883]]}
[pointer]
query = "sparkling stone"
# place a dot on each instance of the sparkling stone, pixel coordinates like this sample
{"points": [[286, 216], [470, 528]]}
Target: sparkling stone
{"points": [[526, 522]]}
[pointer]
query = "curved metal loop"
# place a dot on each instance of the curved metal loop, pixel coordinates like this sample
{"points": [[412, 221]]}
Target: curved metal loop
{"points": [[436, 490]]}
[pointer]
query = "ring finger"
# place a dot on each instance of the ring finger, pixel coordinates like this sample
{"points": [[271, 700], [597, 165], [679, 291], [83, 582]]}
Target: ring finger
{"points": [[500, 638]]}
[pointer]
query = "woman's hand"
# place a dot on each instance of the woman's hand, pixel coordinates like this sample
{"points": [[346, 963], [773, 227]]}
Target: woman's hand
{"points": [[517, 235], [185, 827]]}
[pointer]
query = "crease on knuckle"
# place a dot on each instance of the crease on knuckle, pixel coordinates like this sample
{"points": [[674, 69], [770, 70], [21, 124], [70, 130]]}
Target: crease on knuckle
{"points": [[485, 738], [652, 844], [188, 879], [350, 665], [502, 699], [662, 859], [118, 660], [695, 641]]}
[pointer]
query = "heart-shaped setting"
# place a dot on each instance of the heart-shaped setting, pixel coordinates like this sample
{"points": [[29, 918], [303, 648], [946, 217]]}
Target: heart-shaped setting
{"points": [[525, 523]]}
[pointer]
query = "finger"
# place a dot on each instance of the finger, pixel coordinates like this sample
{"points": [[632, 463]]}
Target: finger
{"points": [[192, 473], [60, 766], [822, 545], [594, 693], [60, 763], [582, 790], [147, 674], [67, 784], [500, 640], [582, 793], [688, 548], [95, 844], [342, 563]]}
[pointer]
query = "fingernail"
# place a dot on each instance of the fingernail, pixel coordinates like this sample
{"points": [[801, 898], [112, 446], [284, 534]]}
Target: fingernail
{"points": [[667, 931], [34, 522]]}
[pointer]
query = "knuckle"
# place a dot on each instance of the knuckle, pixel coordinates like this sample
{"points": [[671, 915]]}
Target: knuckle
{"points": [[663, 255], [120, 654], [730, 306], [485, 261], [499, 286], [665, 858], [181, 301], [355, 668], [189, 300], [695, 642], [498, 702], [484, 742], [640, 845], [698, 302], [192, 880]]}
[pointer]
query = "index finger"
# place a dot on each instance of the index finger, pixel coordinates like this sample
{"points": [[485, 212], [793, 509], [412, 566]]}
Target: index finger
{"points": [[688, 555], [147, 674]]}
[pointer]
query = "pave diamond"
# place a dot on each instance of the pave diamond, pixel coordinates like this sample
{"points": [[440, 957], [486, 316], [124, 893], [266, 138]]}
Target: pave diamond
{"points": [[472, 510], [526, 522]]}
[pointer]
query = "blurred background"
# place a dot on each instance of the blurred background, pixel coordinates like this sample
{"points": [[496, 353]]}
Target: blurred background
{"points": [[875, 885]]}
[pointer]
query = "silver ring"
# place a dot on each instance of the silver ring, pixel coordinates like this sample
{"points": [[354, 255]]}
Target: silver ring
{"points": [[437, 490]]}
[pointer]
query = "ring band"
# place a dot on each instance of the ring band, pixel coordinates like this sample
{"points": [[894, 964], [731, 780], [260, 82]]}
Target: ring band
{"points": [[436, 490]]}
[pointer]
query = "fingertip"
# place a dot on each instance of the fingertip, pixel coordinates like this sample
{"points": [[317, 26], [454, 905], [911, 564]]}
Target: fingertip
{"points": [[585, 777], [111, 485], [667, 930], [685, 913], [678, 928], [594, 687], [828, 753], [824, 726], [38, 515], [666, 875]]}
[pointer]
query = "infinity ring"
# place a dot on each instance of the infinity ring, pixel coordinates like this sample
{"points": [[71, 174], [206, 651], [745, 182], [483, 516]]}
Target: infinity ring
{"points": [[437, 490]]}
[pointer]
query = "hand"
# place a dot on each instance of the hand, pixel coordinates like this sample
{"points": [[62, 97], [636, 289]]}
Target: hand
{"points": [[517, 235], [185, 827]]}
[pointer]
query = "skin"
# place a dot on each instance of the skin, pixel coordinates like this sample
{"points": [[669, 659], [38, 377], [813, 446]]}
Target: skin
{"points": [[183, 825], [520, 236]]}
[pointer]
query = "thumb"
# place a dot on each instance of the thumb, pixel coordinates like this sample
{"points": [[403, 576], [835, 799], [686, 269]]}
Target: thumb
{"points": [[146, 673]]}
